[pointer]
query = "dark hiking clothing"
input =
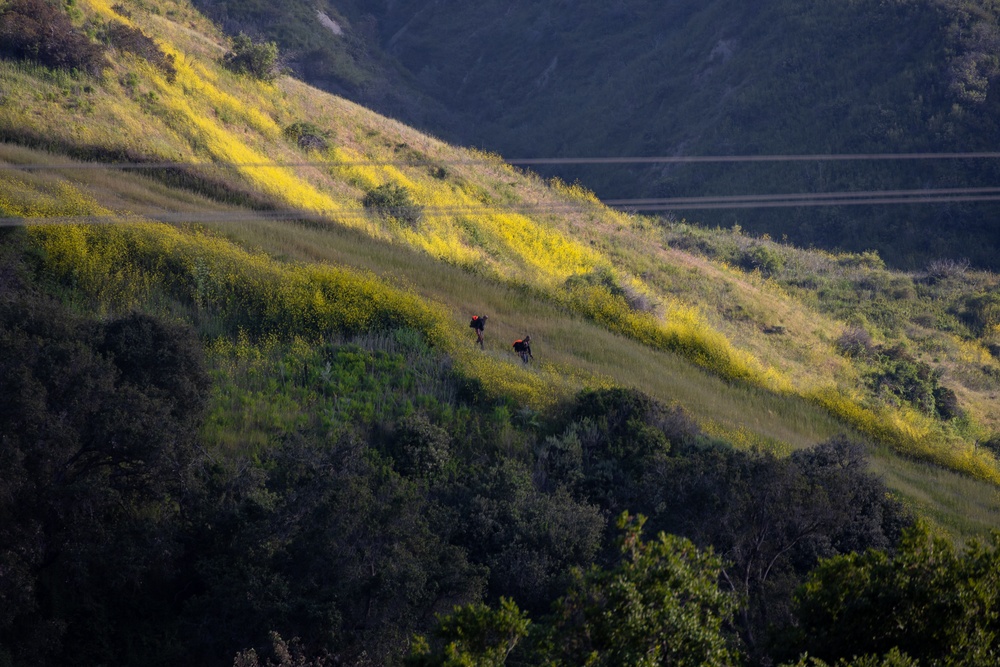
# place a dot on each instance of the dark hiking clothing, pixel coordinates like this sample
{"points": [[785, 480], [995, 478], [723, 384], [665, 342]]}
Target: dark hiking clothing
{"points": [[523, 349], [479, 323]]}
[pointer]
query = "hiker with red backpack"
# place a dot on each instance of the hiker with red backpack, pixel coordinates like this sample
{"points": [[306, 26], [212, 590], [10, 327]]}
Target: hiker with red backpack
{"points": [[523, 348], [479, 323]]}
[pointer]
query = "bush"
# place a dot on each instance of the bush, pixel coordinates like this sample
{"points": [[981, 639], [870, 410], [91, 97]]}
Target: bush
{"points": [[133, 40], [981, 313], [897, 374], [40, 31], [609, 437], [946, 403], [765, 259], [992, 444], [661, 604], [942, 269], [393, 201], [421, 447], [894, 374], [308, 136], [258, 59], [771, 519], [855, 342], [473, 635], [99, 443]]}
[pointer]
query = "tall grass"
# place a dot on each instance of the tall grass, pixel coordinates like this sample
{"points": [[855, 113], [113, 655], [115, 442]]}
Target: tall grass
{"points": [[121, 266], [910, 433], [258, 306], [214, 117]]}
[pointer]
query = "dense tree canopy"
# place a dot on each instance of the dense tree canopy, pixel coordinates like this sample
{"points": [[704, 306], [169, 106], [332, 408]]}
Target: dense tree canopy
{"points": [[936, 604], [97, 440]]}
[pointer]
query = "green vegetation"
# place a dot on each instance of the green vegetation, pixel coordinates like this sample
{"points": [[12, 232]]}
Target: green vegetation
{"points": [[245, 421], [392, 201], [308, 135], [660, 605], [135, 41], [258, 59], [934, 604], [380, 491]]}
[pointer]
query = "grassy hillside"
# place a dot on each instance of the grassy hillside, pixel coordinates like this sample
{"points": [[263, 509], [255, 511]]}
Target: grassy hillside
{"points": [[740, 331], [244, 397], [684, 78]]}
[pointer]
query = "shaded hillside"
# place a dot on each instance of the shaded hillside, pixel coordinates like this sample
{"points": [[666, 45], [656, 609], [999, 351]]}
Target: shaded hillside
{"points": [[684, 78]]}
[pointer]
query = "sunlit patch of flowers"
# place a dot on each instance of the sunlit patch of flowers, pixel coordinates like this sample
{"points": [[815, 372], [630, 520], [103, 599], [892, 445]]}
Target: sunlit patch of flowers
{"points": [[908, 432]]}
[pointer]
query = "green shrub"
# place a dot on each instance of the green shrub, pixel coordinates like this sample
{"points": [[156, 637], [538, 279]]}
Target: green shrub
{"points": [[981, 313], [422, 448], [473, 634], [896, 375], [40, 31], [927, 599], [393, 201], [661, 604], [763, 258], [855, 342], [258, 59], [308, 136], [992, 444]]}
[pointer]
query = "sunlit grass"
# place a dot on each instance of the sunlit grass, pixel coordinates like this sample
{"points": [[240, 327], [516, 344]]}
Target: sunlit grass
{"points": [[960, 505], [122, 267], [701, 341]]}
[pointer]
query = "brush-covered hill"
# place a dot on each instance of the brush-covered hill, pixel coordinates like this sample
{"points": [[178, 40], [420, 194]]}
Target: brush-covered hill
{"points": [[683, 78], [241, 393]]}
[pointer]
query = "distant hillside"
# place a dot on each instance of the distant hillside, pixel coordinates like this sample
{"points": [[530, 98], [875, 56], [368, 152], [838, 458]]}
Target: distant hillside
{"points": [[531, 79]]}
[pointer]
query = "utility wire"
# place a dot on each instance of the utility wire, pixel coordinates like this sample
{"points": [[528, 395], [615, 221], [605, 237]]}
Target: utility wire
{"points": [[429, 162], [869, 197], [824, 157], [873, 201], [810, 196], [856, 198]]}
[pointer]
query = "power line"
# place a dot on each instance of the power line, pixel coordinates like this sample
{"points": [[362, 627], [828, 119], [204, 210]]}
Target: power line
{"points": [[809, 195], [819, 157], [873, 201], [552, 161], [869, 197]]}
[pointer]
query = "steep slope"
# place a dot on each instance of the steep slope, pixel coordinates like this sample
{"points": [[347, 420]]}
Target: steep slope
{"points": [[603, 293], [685, 78], [242, 410]]}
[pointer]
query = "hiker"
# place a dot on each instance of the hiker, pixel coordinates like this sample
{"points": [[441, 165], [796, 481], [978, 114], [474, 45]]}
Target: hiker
{"points": [[523, 348], [479, 323]]}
